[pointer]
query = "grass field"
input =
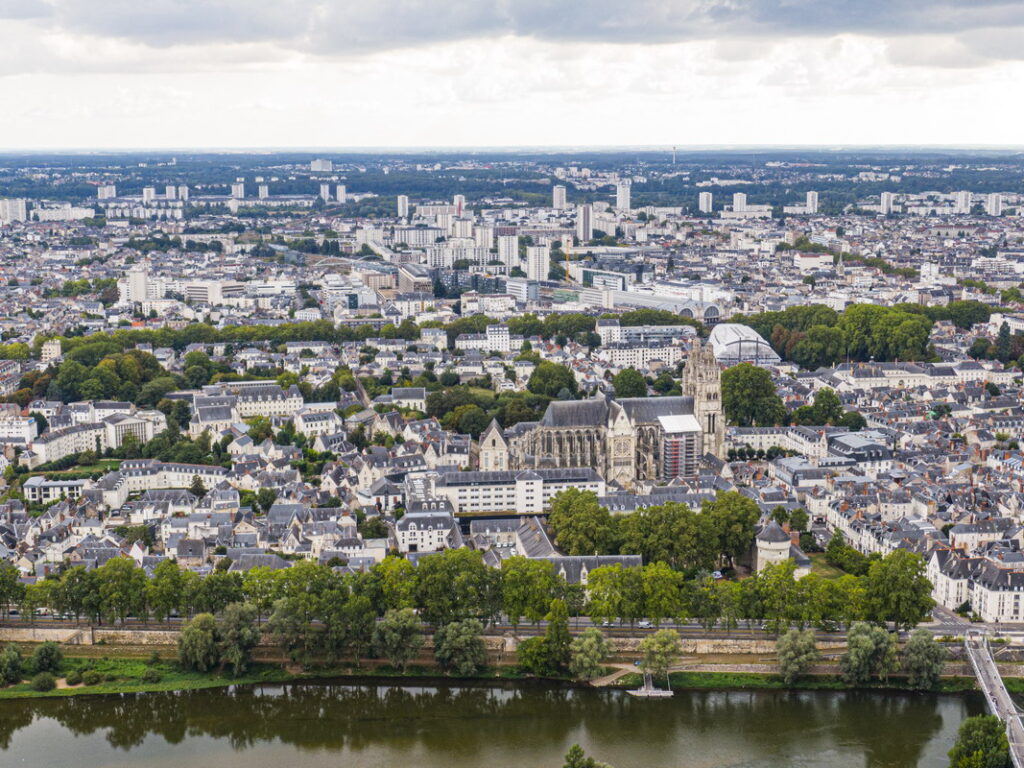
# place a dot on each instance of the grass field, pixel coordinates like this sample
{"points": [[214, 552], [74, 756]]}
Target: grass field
{"points": [[746, 680], [821, 567]]}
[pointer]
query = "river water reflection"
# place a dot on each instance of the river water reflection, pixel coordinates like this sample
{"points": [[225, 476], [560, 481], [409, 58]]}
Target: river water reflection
{"points": [[432, 726]]}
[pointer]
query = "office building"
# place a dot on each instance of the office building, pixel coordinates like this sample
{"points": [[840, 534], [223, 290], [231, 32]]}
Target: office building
{"points": [[558, 197]]}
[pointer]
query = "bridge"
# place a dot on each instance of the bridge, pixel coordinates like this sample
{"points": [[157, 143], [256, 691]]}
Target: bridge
{"points": [[996, 696]]}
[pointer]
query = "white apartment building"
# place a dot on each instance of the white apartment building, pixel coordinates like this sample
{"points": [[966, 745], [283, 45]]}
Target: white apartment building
{"points": [[525, 492], [538, 262], [705, 202]]}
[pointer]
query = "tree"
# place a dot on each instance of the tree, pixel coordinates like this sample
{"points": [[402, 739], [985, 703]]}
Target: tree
{"points": [[455, 584], [662, 593], [165, 591], [870, 652], [548, 655], [198, 646], [587, 653], [122, 588], [581, 525], [290, 628], [898, 590], [551, 378], [527, 586], [629, 382], [981, 742], [577, 758], [48, 657], [923, 659], [733, 517], [10, 665], [397, 580], [238, 635], [658, 652], [197, 488], [749, 397], [398, 637], [459, 646], [796, 652]]}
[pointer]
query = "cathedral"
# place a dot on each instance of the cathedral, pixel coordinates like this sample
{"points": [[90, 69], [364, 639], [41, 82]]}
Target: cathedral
{"points": [[625, 439]]}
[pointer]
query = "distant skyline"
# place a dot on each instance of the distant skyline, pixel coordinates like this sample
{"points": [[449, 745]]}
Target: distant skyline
{"points": [[166, 74]]}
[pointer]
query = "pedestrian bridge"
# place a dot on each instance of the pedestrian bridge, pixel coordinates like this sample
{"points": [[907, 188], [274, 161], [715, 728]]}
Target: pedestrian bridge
{"points": [[996, 696]]}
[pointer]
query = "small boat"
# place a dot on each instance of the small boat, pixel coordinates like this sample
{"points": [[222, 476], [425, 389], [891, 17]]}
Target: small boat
{"points": [[648, 691]]}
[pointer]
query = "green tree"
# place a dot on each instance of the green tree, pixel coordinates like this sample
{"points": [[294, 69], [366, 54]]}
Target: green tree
{"points": [[397, 579], [197, 488], [658, 652], [981, 743], [581, 525], [898, 590], [10, 665], [198, 646], [749, 397], [733, 517], [122, 588], [629, 382], [47, 657], [923, 659], [796, 651], [577, 758], [662, 592], [290, 627], [165, 591], [459, 647], [870, 653], [527, 587], [238, 635], [587, 653], [456, 584], [398, 637], [551, 378]]}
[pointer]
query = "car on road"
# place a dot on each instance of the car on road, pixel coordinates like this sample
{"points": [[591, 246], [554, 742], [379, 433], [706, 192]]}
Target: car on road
{"points": [[645, 624]]}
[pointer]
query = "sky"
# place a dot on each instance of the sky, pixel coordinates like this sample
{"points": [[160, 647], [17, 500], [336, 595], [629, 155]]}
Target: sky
{"points": [[124, 74]]}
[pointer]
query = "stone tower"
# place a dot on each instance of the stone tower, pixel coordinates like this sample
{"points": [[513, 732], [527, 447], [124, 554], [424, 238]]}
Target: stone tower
{"points": [[702, 380]]}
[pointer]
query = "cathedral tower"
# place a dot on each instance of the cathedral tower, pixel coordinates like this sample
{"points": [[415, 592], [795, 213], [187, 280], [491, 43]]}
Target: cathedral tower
{"points": [[702, 380]]}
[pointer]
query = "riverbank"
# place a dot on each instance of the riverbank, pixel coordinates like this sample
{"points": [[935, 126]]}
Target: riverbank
{"points": [[136, 675]]}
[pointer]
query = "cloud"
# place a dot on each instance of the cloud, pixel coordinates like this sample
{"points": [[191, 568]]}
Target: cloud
{"points": [[349, 27]]}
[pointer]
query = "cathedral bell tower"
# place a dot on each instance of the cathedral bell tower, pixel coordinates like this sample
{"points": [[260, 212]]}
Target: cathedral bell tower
{"points": [[702, 380]]}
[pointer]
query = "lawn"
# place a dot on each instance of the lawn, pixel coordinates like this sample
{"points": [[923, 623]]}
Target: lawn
{"points": [[821, 567]]}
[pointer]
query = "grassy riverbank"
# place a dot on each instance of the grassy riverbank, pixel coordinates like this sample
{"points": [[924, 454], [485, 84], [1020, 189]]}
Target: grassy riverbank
{"points": [[755, 681]]}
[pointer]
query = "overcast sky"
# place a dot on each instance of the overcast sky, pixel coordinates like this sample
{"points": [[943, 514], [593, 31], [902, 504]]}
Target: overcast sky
{"points": [[408, 73]]}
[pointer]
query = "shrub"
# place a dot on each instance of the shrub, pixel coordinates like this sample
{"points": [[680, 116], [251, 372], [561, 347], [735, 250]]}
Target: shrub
{"points": [[91, 677], [74, 677], [48, 658], [43, 682], [154, 659], [151, 676], [110, 677], [10, 665]]}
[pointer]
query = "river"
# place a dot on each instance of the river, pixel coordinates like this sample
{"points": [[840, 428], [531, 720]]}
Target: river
{"points": [[438, 726]]}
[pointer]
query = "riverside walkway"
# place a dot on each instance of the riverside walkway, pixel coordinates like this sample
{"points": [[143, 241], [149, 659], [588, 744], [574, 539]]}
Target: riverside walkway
{"points": [[996, 695]]}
